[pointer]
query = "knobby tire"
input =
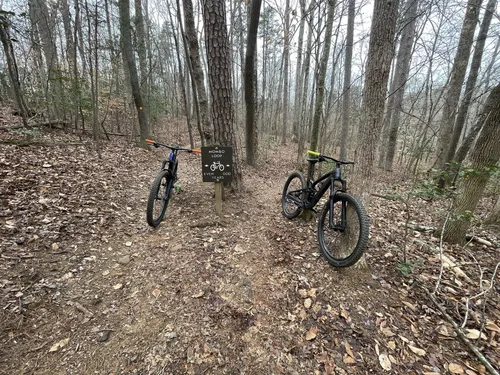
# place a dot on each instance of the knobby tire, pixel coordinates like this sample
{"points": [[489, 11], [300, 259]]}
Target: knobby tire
{"points": [[159, 195], [354, 237], [285, 199]]}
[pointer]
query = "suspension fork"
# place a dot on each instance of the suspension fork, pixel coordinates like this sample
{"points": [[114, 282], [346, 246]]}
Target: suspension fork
{"points": [[333, 191], [343, 209]]}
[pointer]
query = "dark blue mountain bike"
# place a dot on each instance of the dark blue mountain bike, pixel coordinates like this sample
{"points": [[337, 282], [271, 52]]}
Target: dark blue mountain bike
{"points": [[161, 189], [343, 224]]}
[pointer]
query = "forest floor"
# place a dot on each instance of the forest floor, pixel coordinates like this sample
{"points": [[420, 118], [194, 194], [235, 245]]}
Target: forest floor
{"points": [[86, 287]]}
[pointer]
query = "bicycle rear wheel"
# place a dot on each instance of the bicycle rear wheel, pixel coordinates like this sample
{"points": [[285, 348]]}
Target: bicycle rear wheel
{"points": [[292, 195], [344, 244], [158, 198]]}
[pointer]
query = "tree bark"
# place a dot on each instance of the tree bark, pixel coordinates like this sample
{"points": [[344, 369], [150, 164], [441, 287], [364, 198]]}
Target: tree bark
{"points": [[484, 156], [305, 80], [219, 74], [320, 81], [471, 80], [344, 147], [378, 64], [456, 80], [251, 83], [194, 56], [286, 63], [182, 81], [141, 43], [298, 75], [494, 216], [12, 67], [126, 42], [400, 77]]}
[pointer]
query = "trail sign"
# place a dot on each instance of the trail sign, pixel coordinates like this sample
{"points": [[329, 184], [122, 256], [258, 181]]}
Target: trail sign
{"points": [[217, 164]]}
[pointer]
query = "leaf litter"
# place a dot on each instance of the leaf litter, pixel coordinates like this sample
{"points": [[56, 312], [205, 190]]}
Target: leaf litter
{"points": [[245, 292]]}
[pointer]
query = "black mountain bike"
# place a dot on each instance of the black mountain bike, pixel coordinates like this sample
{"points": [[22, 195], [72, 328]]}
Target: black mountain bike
{"points": [[343, 224], [161, 189]]}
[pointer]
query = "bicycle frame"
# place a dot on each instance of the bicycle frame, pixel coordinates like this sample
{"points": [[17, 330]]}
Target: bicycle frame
{"points": [[313, 196]]}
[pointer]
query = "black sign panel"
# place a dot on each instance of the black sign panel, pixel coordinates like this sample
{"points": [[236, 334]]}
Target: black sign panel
{"points": [[217, 164]]}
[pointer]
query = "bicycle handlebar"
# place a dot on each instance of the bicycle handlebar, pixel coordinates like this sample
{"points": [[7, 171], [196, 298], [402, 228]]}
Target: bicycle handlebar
{"points": [[324, 157], [177, 148]]}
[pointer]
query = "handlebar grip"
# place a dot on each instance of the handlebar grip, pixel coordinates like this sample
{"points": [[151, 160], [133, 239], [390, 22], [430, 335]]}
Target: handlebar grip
{"points": [[198, 151], [313, 153], [150, 141]]}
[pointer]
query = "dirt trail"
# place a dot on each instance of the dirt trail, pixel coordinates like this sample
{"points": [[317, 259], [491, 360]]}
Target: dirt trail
{"points": [[246, 292]]}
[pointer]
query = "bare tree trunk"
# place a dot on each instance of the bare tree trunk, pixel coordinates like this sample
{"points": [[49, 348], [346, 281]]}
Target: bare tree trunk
{"points": [[219, 74], [93, 70], [141, 43], [400, 77], [298, 75], [36, 43], [380, 55], [124, 8], [12, 67], [251, 83], [182, 82], [344, 147], [456, 80], [305, 80], [45, 27], [471, 80], [320, 81], [194, 55], [286, 63], [484, 156]]}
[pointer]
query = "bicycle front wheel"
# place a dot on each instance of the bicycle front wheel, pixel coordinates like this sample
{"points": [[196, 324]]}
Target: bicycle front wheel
{"points": [[343, 240], [293, 195], [158, 198]]}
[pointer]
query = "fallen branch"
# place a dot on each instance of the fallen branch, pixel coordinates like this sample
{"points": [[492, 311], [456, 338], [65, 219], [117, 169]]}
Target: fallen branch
{"points": [[468, 237], [462, 336]]}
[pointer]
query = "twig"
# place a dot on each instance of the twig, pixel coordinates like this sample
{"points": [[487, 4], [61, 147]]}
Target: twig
{"points": [[441, 269], [462, 336], [38, 347], [468, 237], [18, 257]]}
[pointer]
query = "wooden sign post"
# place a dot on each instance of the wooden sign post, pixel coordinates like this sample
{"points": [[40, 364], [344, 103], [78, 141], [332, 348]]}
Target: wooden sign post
{"points": [[217, 167]]}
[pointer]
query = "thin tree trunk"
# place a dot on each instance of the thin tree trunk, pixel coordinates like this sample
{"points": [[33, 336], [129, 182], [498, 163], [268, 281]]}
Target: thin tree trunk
{"points": [[298, 75], [12, 67], [320, 81], [194, 55], [400, 78], [182, 82], [124, 8], [286, 62], [456, 80], [305, 90], [344, 147], [471, 80], [251, 83], [484, 156]]}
